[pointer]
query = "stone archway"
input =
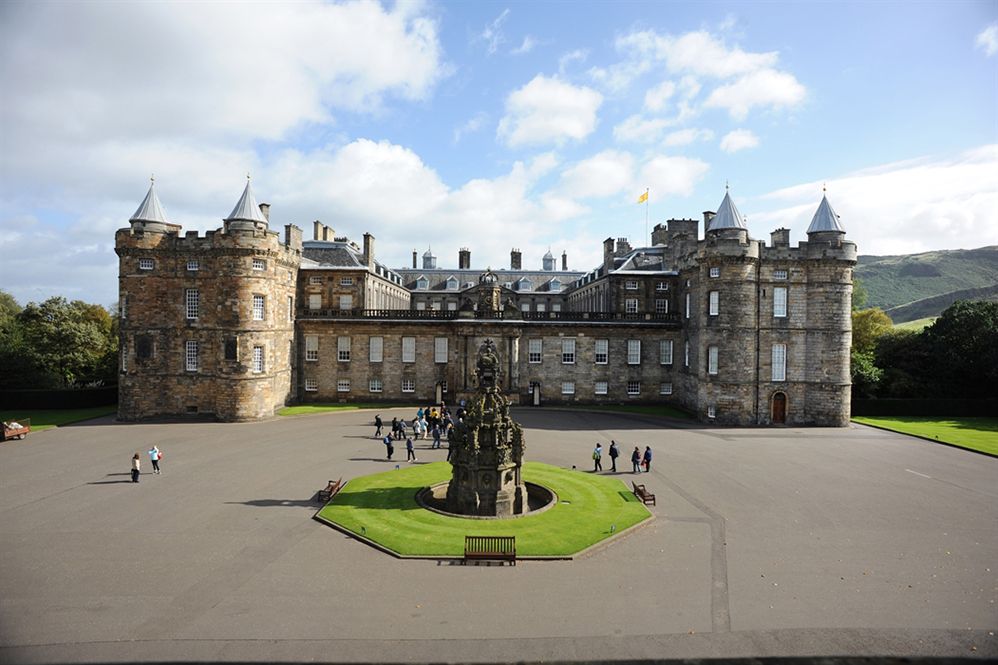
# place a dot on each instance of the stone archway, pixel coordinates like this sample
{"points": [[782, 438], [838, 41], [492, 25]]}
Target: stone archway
{"points": [[779, 410]]}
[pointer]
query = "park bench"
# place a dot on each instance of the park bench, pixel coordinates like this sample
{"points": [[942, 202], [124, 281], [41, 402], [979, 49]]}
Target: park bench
{"points": [[490, 548], [16, 429], [324, 495], [643, 494]]}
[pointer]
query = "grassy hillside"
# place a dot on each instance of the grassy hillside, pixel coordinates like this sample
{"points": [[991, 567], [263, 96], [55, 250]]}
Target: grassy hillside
{"points": [[937, 278]]}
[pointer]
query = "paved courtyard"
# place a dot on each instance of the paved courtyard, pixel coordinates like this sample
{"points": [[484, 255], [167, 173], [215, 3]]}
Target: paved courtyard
{"points": [[774, 542]]}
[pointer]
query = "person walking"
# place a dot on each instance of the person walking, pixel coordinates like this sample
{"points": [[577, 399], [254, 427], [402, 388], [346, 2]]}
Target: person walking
{"points": [[597, 458], [436, 437], [377, 426], [614, 454], [395, 427], [390, 448], [636, 460], [136, 467], [155, 456], [410, 454], [647, 459]]}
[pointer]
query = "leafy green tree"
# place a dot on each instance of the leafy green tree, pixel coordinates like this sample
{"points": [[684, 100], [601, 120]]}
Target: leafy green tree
{"points": [[964, 348], [869, 325], [860, 295], [866, 375], [8, 306], [905, 359]]}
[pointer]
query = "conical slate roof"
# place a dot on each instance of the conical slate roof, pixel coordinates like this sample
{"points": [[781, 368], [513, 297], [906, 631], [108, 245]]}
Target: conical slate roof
{"points": [[727, 216], [825, 219], [150, 210], [246, 209]]}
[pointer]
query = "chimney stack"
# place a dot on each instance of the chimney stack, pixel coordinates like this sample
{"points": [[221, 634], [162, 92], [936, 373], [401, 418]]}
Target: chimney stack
{"points": [[707, 216], [464, 259], [780, 238], [414, 259], [564, 261], [607, 255], [515, 260], [265, 209], [369, 250], [316, 230]]}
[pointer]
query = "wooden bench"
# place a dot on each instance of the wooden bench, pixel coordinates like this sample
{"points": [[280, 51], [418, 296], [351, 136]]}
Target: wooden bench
{"points": [[490, 548], [324, 495], [643, 494]]}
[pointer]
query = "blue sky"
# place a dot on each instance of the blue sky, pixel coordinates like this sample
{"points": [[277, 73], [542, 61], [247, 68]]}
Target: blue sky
{"points": [[491, 125]]}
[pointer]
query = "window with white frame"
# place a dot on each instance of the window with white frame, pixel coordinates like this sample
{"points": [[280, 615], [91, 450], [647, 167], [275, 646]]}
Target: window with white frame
{"points": [[443, 386], [315, 279], [258, 365], [376, 347], [601, 351], [315, 301], [661, 305], [311, 385], [779, 362], [524, 306], [259, 264], [634, 352], [408, 349], [631, 285], [375, 386], [452, 283], [191, 356], [665, 389], [631, 305], [124, 306], [346, 281], [259, 306], [408, 385], [541, 307], [311, 348], [420, 306], [146, 264], [712, 360], [435, 306], [451, 306], [568, 351], [600, 387], [715, 271], [343, 349], [124, 356], [780, 302], [568, 387], [713, 302], [779, 274], [534, 349], [343, 385], [422, 283], [192, 299], [686, 354], [193, 265], [346, 302], [711, 411], [665, 352], [687, 305], [633, 387], [439, 349], [662, 286], [556, 307], [291, 308]]}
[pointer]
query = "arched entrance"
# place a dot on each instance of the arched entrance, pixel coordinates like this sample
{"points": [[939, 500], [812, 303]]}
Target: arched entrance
{"points": [[779, 408], [439, 393], [535, 393]]}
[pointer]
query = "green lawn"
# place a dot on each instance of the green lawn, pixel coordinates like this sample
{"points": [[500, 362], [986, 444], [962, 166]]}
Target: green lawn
{"points": [[979, 434], [917, 324], [330, 408], [383, 508], [42, 419]]}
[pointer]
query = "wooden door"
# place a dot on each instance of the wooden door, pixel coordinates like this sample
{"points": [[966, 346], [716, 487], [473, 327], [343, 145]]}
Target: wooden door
{"points": [[779, 408]]}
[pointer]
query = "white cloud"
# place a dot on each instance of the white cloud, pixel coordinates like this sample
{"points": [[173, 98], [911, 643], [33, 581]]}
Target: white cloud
{"points": [[603, 174], [566, 59], [904, 207], [638, 129], [677, 176], [526, 47], [492, 34], [987, 40], [767, 87], [656, 98], [739, 139], [548, 111], [473, 124], [697, 52], [687, 136]]}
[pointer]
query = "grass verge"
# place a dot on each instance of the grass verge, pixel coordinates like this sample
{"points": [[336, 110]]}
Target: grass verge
{"points": [[980, 434], [302, 409], [382, 507], [42, 419]]}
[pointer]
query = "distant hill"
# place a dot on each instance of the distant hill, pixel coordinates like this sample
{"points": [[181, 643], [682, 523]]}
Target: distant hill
{"points": [[914, 286]]}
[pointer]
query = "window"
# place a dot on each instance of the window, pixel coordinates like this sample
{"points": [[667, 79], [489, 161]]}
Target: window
{"points": [[534, 348], [311, 385], [687, 305], [346, 281], [713, 301], [408, 349], [346, 302], [231, 349], [193, 265], [633, 387], [452, 283], [686, 354], [376, 346], [315, 301], [451, 306], [408, 385], [780, 302], [374, 386], [420, 306], [554, 285], [779, 362], [665, 389], [711, 411], [422, 283], [258, 359], [259, 304], [124, 307], [661, 306], [439, 349], [315, 280], [556, 307], [192, 298], [715, 271], [662, 286], [634, 352], [146, 264], [259, 264], [600, 387], [665, 352], [443, 386], [435, 306], [779, 274], [143, 347], [124, 357], [343, 386], [568, 351], [343, 349], [631, 285], [541, 307], [524, 306], [601, 352], [631, 306], [568, 387], [291, 308], [712, 360], [311, 348], [191, 355]]}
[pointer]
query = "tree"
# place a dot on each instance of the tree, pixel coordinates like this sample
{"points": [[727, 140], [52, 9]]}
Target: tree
{"points": [[905, 359], [964, 348], [860, 295], [865, 374], [868, 325], [8, 306]]}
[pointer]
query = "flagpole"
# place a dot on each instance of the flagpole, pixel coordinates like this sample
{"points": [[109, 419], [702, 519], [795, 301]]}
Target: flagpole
{"points": [[647, 238]]}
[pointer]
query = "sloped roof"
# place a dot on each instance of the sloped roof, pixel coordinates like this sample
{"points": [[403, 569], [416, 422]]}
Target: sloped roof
{"points": [[727, 216], [150, 210], [825, 219], [246, 209]]}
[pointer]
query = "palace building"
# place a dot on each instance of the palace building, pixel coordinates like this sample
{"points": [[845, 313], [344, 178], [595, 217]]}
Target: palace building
{"points": [[242, 321]]}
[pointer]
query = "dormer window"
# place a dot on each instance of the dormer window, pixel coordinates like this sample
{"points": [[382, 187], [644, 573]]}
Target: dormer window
{"points": [[523, 284], [555, 285], [452, 283], [422, 283]]}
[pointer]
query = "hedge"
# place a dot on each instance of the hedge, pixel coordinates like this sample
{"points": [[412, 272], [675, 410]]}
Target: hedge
{"points": [[84, 398], [925, 407]]}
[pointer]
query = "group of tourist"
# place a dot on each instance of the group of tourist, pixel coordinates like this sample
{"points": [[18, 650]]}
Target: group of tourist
{"points": [[155, 455], [430, 422], [638, 459]]}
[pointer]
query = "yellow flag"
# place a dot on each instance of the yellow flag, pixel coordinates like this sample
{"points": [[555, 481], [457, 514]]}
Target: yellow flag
{"points": [[643, 197]]}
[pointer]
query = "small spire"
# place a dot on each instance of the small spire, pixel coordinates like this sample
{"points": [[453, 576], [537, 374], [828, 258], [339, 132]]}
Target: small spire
{"points": [[824, 188], [150, 210]]}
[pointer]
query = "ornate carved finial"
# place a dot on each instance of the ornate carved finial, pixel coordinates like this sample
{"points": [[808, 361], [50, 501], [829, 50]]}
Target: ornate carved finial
{"points": [[488, 364]]}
